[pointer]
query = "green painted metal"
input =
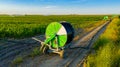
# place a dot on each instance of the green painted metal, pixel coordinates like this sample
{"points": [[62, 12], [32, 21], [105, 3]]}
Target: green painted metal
{"points": [[105, 18], [54, 39], [49, 39]]}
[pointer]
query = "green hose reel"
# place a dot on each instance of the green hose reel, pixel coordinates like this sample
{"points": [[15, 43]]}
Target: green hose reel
{"points": [[58, 35], [105, 18]]}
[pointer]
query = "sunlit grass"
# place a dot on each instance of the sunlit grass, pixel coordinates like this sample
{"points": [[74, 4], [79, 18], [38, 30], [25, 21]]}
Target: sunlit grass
{"points": [[35, 52], [107, 48], [17, 60]]}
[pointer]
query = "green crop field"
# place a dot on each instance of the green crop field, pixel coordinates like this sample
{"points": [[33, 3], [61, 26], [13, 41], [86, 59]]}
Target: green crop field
{"points": [[20, 26]]}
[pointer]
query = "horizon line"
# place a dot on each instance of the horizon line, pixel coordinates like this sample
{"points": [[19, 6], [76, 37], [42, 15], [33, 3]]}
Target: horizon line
{"points": [[60, 14]]}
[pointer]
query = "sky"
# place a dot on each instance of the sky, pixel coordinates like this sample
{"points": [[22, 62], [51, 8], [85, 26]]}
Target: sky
{"points": [[59, 7]]}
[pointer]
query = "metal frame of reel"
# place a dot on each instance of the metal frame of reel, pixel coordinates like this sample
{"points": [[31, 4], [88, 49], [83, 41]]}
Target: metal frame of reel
{"points": [[47, 48]]}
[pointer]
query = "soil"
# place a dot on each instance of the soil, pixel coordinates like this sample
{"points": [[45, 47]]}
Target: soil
{"points": [[74, 55]]}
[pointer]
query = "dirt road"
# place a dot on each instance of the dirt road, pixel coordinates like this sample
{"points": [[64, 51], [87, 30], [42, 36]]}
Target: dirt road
{"points": [[9, 49], [74, 56]]}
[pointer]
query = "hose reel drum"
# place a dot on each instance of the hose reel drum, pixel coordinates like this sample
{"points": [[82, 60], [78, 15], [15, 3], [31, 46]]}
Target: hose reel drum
{"points": [[58, 35]]}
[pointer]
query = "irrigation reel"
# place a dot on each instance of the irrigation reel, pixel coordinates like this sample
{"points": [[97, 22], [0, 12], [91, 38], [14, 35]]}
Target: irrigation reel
{"points": [[57, 34]]}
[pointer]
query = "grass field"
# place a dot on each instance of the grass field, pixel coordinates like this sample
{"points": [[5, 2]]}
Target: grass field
{"points": [[107, 48], [20, 26]]}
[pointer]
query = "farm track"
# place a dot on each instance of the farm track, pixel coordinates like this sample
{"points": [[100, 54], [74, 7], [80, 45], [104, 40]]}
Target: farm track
{"points": [[74, 57], [81, 49]]}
